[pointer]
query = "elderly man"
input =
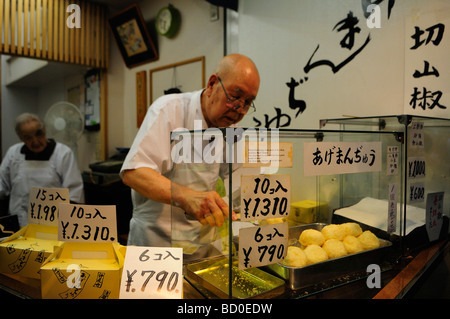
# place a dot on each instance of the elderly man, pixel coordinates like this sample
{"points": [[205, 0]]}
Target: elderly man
{"points": [[228, 96], [36, 162]]}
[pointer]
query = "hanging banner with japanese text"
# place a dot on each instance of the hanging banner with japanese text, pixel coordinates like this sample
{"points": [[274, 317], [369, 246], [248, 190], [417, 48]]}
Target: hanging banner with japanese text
{"points": [[327, 158], [427, 43]]}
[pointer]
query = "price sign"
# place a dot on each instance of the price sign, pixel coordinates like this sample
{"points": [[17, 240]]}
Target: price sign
{"points": [[265, 196], [417, 192], [152, 272], [43, 205], [262, 245], [87, 223], [416, 167]]}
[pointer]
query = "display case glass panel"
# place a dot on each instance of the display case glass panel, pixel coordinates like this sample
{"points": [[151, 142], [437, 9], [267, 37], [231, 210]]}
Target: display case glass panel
{"points": [[426, 171], [278, 183]]}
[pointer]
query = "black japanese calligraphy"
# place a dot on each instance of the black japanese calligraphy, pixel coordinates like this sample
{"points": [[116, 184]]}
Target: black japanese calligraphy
{"points": [[293, 103], [426, 71], [351, 156], [349, 25], [280, 119], [435, 40], [425, 98]]}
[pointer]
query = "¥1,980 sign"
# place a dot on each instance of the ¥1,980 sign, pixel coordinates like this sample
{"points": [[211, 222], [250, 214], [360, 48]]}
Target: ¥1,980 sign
{"points": [[87, 223], [43, 205]]}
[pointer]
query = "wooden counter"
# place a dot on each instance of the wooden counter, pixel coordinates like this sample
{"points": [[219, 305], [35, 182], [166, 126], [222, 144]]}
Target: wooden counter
{"points": [[395, 282]]}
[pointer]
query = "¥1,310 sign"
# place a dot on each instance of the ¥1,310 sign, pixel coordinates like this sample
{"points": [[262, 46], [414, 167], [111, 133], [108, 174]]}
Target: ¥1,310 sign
{"points": [[87, 223], [265, 196]]}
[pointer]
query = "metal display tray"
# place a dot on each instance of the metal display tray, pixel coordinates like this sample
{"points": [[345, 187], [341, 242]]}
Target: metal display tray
{"points": [[213, 274], [302, 277]]}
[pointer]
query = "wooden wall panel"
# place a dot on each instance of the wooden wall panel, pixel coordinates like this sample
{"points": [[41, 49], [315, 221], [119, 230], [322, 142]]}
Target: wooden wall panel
{"points": [[38, 29]]}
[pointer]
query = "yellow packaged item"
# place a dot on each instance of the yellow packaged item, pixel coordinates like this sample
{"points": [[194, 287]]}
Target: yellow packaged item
{"points": [[83, 271], [24, 252], [308, 211]]}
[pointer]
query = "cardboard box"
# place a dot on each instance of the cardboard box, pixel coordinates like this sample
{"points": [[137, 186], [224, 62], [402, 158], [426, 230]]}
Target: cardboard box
{"points": [[24, 252], [83, 271], [308, 211]]}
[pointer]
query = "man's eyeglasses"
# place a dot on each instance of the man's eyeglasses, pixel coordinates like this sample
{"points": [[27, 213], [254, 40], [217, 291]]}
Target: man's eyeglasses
{"points": [[242, 107]]}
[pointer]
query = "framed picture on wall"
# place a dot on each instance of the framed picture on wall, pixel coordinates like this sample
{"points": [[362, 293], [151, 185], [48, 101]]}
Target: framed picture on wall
{"points": [[132, 37]]}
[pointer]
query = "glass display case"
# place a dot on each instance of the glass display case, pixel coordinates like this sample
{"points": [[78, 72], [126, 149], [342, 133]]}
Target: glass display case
{"points": [[278, 184], [426, 171]]}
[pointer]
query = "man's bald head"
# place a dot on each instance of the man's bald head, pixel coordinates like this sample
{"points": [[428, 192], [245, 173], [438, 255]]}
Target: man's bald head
{"points": [[239, 65]]}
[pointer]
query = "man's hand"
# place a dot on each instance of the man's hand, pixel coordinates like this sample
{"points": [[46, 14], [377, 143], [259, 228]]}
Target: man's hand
{"points": [[207, 207]]}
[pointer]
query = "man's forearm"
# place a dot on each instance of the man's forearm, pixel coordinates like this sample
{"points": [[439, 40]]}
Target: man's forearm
{"points": [[149, 183]]}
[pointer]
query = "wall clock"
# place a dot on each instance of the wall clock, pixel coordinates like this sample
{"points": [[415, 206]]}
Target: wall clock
{"points": [[168, 21]]}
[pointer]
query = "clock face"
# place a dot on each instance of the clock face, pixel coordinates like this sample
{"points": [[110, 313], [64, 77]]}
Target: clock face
{"points": [[164, 21], [168, 21]]}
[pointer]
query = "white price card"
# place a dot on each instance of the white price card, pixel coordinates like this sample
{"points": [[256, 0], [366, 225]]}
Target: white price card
{"points": [[43, 205], [434, 215], [152, 273], [265, 196], [262, 245], [87, 223]]}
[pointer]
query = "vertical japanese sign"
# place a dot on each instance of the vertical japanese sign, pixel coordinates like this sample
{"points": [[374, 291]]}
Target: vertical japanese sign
{"points": [[392, 160], [434, 214], [392, 208], [427, 67], [416, 135], [152, 273], [43, 205]]}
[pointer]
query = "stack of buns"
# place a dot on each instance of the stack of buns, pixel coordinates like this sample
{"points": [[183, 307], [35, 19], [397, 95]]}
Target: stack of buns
{"points": [[333, 241]]}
